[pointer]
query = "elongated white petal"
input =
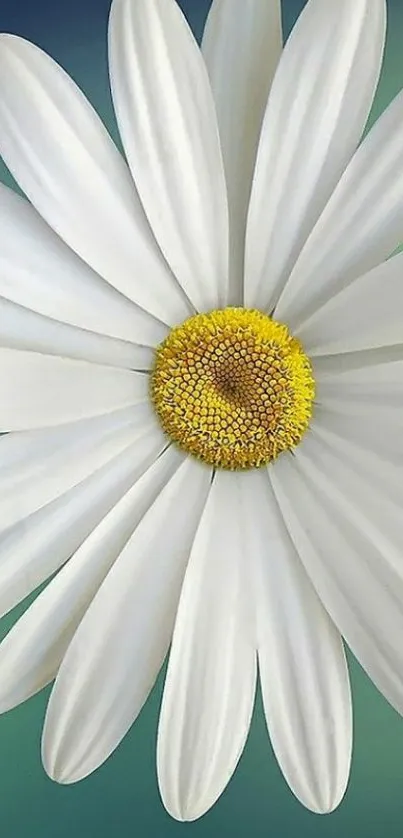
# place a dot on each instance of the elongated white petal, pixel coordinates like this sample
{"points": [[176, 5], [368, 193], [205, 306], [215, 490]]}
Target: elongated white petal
{"points": [[21, 328], [302, 665], [359, 389], [32, 651], [348, 533], [24, 452], [39, 466], [317, 110], [364, 315], [167, 122], [353, 436], [116, 654], [62, 157], [361, 225], [241, 46], [36, 547], [210, 684], [39, 271], [43, 390]]}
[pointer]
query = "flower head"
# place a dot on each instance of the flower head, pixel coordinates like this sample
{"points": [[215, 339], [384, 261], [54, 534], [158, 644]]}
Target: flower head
{"points": [[201, 375]]}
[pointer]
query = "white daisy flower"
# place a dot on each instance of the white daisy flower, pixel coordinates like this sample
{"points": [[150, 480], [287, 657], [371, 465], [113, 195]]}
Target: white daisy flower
{"points": [[202, 389]]}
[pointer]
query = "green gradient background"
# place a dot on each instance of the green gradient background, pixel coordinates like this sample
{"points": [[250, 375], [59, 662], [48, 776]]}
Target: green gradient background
{"points": [[121, 799]]}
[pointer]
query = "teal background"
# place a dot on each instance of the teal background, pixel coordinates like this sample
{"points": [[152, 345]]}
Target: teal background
{"points": [[121, 798]]}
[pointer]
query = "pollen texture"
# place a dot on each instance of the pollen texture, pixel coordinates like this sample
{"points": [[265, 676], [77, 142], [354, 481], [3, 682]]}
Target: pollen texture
{"points": [[233, 388]]}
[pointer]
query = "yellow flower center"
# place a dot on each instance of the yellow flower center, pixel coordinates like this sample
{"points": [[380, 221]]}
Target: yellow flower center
{"points": [[233, 388]]}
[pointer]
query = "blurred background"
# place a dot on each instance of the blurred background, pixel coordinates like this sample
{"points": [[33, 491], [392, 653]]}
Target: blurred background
{"points": [[121, 798]]}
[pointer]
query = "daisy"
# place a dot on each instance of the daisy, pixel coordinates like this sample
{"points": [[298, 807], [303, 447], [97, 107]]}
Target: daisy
{"points": [[201, 371]]}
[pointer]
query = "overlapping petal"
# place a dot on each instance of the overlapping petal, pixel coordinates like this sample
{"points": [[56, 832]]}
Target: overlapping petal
{"points": [[364, 315], [24, 329], [45, 390], [39, 271], [38, 466], [303, 671], [210, 684], [33, 650], [120, 645], [35, 547], [360, 227], [64, 160], [167, 122], [241, 46], [346, 527], [317, 109]]}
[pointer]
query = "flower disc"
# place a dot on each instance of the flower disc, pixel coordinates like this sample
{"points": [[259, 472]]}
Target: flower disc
{"points": [[233, 388]]}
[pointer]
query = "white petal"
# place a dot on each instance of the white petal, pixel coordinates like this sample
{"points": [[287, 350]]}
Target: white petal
{"points": [[32, 651], [39, 271], [210, 683], [167, 122], [317, 109], [34, 548], [364, 315], [21, 328], [39, 466], [349, 536], [64, 160], [379, 440], [41, 390], [368, 390], [115, 656], [241, 46], [302, 665], [361, 225]]}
